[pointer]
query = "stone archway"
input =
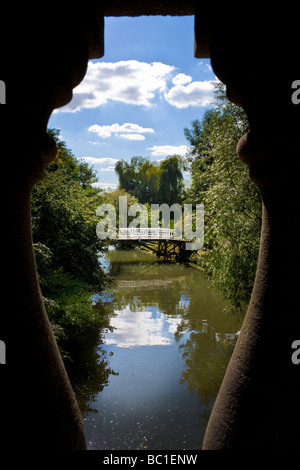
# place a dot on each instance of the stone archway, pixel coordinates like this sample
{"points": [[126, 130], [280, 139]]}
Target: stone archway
{"points": [[258, 404]]}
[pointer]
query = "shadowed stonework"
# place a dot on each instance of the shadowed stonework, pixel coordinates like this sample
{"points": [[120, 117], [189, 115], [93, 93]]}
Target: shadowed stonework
{"points": [[258, 403]]}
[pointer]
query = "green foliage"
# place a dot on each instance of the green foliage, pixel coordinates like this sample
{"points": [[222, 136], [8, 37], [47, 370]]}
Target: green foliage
{"points": [[151, 182], [200, 157], [64, 219], [113, 198], [76, 170], [66, 246], [171, 180], [232, 203]]}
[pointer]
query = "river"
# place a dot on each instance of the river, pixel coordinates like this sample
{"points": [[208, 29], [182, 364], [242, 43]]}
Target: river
{"points": [[152, 377]]}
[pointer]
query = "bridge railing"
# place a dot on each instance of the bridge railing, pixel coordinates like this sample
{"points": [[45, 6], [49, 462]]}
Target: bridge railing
{"points": [[146, 233]]}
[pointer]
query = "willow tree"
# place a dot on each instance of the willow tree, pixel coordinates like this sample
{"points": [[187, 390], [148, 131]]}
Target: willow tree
{"points": [[171, 180], [151, 182]]}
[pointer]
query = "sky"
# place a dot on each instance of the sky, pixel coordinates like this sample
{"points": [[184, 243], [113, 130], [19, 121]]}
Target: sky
{"points": [[138, 98]]}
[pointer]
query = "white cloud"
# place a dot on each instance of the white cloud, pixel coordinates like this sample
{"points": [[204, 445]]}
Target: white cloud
{"points": [[121, 130], [99, 161], [129, 127], [130, 82], [165, 150], [133, 136], [194, 94], [94, 142], [181, 79], [109, 168], [139, 328]]}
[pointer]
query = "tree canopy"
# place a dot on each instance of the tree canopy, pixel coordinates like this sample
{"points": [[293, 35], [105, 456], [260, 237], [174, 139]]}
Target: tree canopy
{"points": [[152, 182], [232, 203], [63, 207]]}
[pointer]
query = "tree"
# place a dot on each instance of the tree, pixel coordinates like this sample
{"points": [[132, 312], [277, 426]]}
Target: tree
{"points": [[66, 246], [152, 183], [134, 178], [127, 175], [200, 157], [77, 170], [64, 219], [171, 180], [232, 203], [113, 198]]}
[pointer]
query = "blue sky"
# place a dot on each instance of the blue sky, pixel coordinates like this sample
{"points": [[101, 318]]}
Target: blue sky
{"points": [[137, 99]]}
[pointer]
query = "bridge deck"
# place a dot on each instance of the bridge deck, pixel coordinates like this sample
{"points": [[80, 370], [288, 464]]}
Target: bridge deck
{"points": [[149, 234], [151, 239]]}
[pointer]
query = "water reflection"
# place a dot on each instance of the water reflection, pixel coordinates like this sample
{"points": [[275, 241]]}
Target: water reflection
{"points": [[141, 328], [160, 359]]}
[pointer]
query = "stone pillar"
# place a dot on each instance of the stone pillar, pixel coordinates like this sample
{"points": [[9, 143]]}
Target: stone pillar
{"points": [[46, 60], [258, 405]]}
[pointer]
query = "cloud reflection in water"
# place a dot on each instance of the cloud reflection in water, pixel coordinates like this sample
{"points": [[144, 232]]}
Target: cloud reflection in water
{"points": [[141, 328]]}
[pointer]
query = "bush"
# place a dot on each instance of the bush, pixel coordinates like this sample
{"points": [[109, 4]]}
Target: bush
{"points": [[67, 249]]}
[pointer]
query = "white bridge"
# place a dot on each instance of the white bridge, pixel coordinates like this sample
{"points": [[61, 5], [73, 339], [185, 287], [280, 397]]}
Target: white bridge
{"points": [[161, 241], [146, 234]]}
